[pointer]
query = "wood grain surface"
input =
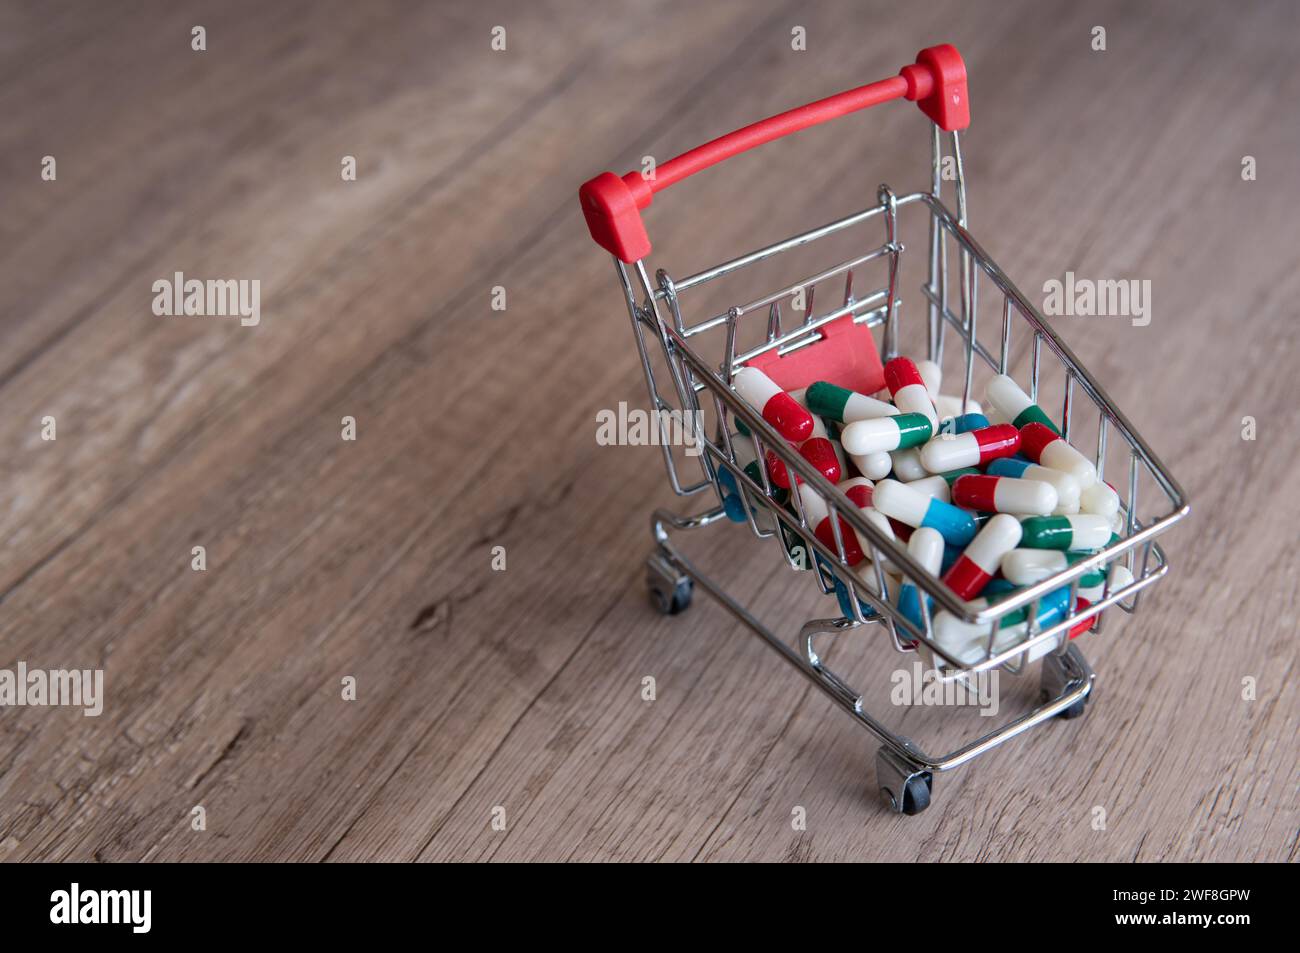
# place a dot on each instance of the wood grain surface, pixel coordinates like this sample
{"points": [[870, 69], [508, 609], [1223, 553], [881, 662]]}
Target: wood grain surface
{"points": [[372, 559]]}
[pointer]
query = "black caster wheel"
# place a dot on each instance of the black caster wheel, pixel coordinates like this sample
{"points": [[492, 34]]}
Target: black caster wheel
{"points": [[906, 786], [674, 601], [670, 592], [1076, 710], [916, 795]]}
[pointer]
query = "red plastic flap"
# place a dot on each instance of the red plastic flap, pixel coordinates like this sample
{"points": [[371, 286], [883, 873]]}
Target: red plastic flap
{"points": [[845, 356]]}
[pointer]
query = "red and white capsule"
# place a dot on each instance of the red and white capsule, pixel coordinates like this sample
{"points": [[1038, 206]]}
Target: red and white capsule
{"points": [[861, 492], [973, 569], [778, 408], [908, 389], [1045, 448], [817, 450], [971, 449], [997, 494], [818, 517]]}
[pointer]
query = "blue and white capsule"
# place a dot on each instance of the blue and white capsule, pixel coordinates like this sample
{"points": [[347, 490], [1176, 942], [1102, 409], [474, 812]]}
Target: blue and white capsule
{"points": [[926, 547], [912, 507]]}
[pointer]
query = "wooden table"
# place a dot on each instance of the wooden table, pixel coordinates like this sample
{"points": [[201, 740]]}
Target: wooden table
{"points": [[371, 559]]}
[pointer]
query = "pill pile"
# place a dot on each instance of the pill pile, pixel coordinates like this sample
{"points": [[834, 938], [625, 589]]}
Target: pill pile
{"points": [[989, 504]]}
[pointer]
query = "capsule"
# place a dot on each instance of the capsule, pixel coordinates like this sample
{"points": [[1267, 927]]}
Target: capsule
{"points": [[972, 449], [1080, 531], [844, 405], [859, 490], [1066, 486], [818, 518], [907, 464], [935, 486], [1101, 499], [976, 566], [731, 501], [817, 450], [1024, 567], [1092, 587], [952, 476], [883, 434], [931, 375], [1004, 495], [914, 508], [946, 405], [861, 493], [964, 423], [778, 408], [873, 466], [969, 643], [907, 387], [926, 547], [1014, 404], [1044, 447]]}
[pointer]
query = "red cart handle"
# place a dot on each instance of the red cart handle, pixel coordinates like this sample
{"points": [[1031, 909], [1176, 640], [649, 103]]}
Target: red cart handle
{"points": [[936, 82]]}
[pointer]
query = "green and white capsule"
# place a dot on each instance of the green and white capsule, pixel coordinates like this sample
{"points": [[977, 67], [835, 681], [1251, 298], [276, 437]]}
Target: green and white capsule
{"points": [[886, 434], [1014, 404], [1075, 532], [1093, 585], [844, 405]]}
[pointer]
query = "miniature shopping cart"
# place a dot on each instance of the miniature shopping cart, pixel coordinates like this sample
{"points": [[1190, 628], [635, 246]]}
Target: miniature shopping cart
{"points": [[689, 355]]}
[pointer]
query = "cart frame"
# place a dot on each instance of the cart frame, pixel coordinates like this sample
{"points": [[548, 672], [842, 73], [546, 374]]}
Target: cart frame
{"points": [[905, 773]]}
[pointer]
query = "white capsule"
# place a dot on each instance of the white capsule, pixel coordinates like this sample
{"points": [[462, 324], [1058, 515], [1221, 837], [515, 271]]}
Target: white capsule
{"points": [[947, 406], [1100, 500], [865, 572], [1024, 567], [878, 520], [873, 466], [932, 374], [814, 507], [907, 464], [926, 547], [900, 501], [935, 486]]}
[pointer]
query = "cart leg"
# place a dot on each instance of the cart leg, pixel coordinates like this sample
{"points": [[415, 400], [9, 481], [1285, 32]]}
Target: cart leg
{"points": [[905, 785], [1061, 673], [670, 588]]}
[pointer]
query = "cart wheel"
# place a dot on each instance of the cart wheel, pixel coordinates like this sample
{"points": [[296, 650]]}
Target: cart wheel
{"points": [[916, 795], [670, 592], [674, 601], [1076, 710], [906, 789]]}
